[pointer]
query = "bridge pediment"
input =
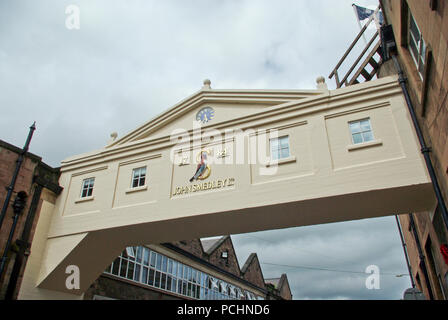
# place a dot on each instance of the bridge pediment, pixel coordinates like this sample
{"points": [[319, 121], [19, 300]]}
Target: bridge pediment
{"points": [[217, 106]]}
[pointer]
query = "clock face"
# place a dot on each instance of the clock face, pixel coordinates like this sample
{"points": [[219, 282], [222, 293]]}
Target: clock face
{"points": [[205, 114]]}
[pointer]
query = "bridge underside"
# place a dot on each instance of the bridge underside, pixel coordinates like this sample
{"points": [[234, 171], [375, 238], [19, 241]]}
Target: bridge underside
{"points": [[104, 246]]}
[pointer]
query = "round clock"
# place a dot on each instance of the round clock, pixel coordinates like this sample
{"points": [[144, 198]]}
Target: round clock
{"points": [[205, 114]]}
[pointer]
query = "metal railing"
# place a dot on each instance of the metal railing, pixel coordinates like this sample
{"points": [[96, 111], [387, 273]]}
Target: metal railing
{"points": [[351, 77]]}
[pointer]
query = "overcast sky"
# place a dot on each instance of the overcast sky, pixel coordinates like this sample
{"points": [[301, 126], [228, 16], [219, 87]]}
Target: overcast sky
{"points": [[131, 60]]}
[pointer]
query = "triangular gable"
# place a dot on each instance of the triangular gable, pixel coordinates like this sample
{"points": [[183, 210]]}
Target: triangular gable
{"points": [[214, 248], [284, 288], [192, 246], [251, 271], [229, 104]]}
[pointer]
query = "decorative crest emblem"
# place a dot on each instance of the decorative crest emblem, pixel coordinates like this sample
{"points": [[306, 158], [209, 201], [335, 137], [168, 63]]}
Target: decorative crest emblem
{"points": [[203, 170]]}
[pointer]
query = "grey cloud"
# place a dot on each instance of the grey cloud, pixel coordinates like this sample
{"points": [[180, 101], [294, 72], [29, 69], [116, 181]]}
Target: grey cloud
{"points": [[131, 60]]}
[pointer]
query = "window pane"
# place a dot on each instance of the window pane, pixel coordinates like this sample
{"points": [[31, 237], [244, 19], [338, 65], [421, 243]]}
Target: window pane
{"points": [[145, 256], [175, 268], [355, 127], [170, 266], [179, 286], [151, 277], [189, 273], [414, 29], [368, 136], [168, 282], [130, 274], [284, 142], [189, 289], [414, 49], [365, 125], [357, 138], [116, 266], [139, 254], [153, 259], [163, 281], [137, 272], [124, 265], [144, 275], [159, 262], [157, 279], [285, 153], [164, 263]]}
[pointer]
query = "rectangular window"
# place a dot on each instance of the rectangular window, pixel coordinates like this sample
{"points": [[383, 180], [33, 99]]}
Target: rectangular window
{"points": [[153, 259], [417, 46], [280, 148], [123, 269], [146, 256], [157, 279], [145, 275], [87, 187], [158, 262], [151, 277], [138, 177], [361, 131]]}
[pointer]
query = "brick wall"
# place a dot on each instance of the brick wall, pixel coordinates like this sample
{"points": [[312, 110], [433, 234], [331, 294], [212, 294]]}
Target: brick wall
{"points": [[8, 158], [430, 102], [108, 286]]}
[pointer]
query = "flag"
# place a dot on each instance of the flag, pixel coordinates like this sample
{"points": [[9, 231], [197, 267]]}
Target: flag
{"points": [[365, 13]]}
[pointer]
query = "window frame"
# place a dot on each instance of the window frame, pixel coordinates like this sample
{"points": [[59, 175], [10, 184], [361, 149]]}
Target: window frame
{"points": [[279, 149], [361, 132], [182, 280], [419, 45], [139, 177], [89, 189]]}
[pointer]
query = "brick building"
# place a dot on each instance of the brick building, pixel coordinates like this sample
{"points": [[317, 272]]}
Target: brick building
{"points": [[420, 32], [40, 183], [205, 269]]}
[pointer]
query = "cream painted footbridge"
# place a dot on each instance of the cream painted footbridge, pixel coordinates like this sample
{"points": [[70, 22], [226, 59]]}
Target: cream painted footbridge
{"points": [[268, 159]]}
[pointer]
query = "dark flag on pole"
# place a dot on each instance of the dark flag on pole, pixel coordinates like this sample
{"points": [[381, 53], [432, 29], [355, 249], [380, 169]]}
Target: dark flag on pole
{"points": [[365, 13]]}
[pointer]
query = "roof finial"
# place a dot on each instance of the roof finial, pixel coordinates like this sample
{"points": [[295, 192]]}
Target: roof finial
{"points": [[113, 137], [207, 84], [321, 85]]}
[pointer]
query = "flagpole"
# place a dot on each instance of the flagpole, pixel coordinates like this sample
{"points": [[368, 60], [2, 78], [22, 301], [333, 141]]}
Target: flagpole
{"points": [[359, 23]]}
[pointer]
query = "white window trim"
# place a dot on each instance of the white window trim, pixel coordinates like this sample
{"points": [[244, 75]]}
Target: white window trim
{"points": [[85, 199], [132, 179], [364, 142], [362, 145], [278, 160], [137, 189], [411, 36]]}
